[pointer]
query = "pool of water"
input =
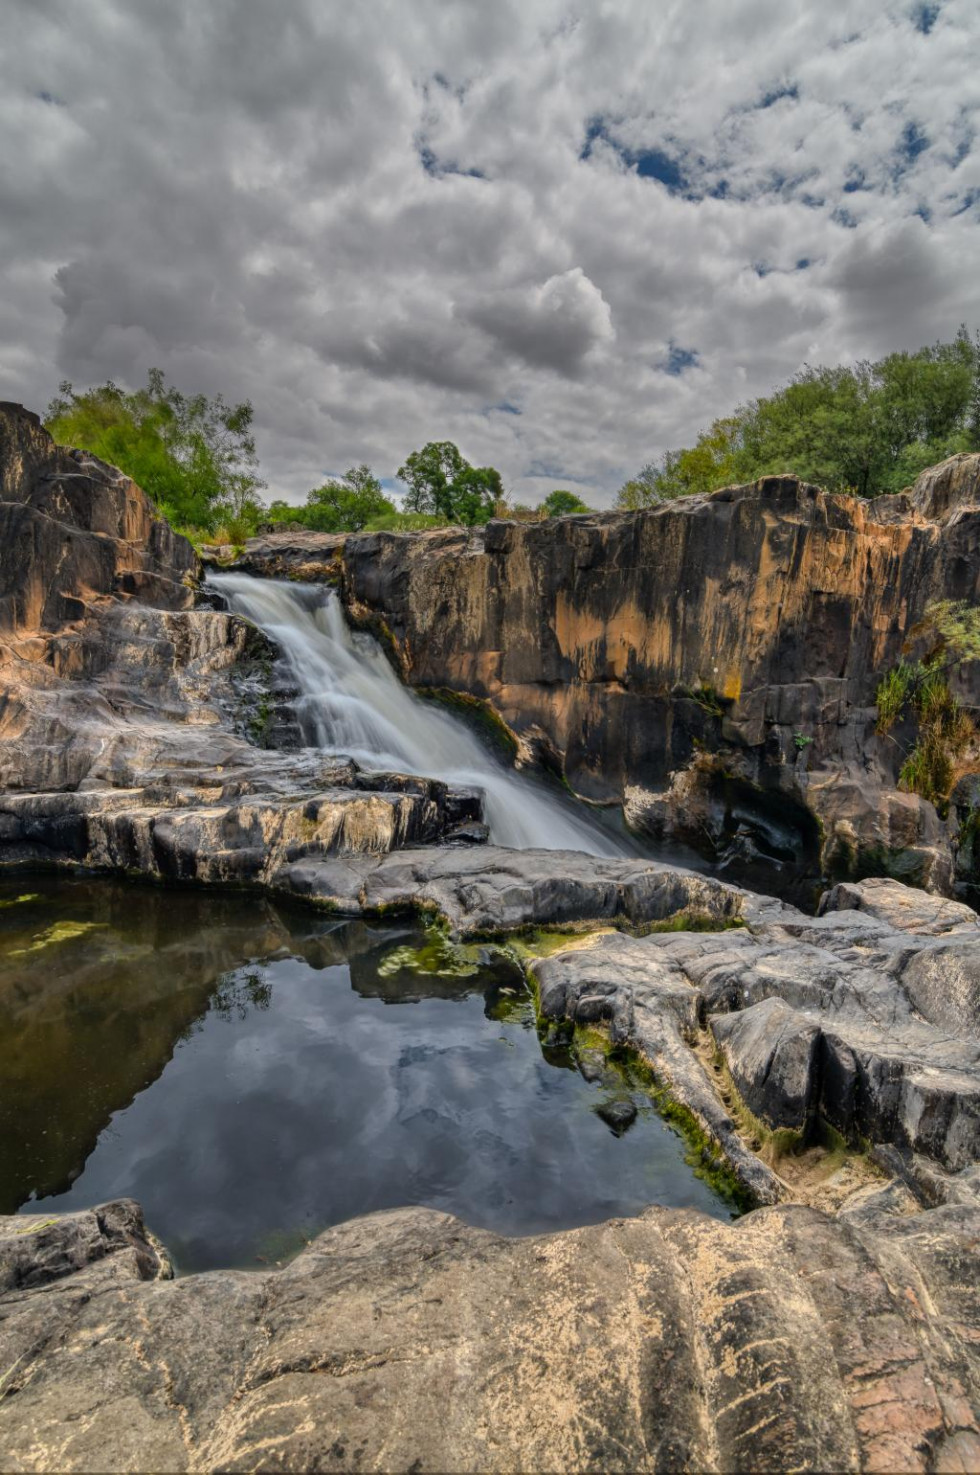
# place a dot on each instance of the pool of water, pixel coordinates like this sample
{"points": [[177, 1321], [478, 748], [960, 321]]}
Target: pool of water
{"points": [[253, 1072]]}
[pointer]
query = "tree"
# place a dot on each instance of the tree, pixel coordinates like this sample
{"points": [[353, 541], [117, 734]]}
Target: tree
{"points": [[563, 504], [869, 429], [442, 483], [346, 504], [194, 456]]}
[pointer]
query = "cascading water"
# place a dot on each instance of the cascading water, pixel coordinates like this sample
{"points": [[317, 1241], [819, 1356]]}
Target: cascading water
{"points": [[351, 702]]}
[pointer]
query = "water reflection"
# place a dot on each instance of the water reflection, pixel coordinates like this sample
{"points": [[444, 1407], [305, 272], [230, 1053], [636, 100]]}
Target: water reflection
{"points": [[253, 1072]]}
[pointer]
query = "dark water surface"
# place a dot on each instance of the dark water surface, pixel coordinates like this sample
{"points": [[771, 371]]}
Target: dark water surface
{"points": [[253, 1073]]}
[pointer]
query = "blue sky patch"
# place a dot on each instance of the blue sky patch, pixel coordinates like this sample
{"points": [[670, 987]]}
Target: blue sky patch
{"points": [[655, 163], [776, 94], [912, 143], [439, 168], [925, 17], [679, 359]]}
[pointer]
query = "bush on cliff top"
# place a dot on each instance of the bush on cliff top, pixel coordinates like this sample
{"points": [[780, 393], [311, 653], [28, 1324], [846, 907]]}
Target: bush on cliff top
{"points": [[869, 429], [194, 456], [343, 504]]}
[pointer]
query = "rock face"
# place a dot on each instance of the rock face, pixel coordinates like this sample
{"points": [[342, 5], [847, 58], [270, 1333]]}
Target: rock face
{"points": [[407, 1341], [73, 530], [125, 711], [712, 663]]}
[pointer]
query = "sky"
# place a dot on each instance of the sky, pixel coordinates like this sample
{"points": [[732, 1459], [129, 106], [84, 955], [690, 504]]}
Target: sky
{"points": [[564, 236]]}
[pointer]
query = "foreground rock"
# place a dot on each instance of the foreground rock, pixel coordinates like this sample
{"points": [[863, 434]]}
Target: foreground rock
{"points": [[407, 1341]]}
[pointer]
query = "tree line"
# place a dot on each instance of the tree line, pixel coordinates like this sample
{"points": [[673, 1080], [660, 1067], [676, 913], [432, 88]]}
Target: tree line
{"points": [[867, 429], [196, 458]]}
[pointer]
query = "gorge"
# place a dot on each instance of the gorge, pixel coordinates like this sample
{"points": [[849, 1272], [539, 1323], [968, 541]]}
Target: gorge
{"points": [[234, 752]]}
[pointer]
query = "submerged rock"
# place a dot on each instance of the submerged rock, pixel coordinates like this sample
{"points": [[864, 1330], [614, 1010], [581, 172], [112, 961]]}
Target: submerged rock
{"points": [[618, 1115]]}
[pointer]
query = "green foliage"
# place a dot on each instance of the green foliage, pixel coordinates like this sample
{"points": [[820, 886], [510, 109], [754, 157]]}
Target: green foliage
{"points": [[706, 697], [343, 504], [957, 623], [443, 484], [563, 504], [868, 429], [945, 729], [194, 456], [893, 693], [404, 522], [801, 741]]}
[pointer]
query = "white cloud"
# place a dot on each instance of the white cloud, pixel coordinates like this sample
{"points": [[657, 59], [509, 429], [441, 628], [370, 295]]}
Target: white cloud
{"points": [[387, 223]]}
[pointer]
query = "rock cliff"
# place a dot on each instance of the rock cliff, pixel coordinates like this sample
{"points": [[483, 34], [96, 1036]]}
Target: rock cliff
{"points": [[711, 663]]}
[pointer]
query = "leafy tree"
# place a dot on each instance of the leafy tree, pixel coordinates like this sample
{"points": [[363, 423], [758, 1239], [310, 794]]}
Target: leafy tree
{"points": [[342, 505], [563, 504], [442, 483], [193, 455], [867, 429]]}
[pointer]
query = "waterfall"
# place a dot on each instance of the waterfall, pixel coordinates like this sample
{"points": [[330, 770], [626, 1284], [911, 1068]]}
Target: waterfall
{"points": [[351, 702]]}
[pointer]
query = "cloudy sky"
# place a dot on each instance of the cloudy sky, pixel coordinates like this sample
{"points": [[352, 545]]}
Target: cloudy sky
{"points": [[565, 235]]}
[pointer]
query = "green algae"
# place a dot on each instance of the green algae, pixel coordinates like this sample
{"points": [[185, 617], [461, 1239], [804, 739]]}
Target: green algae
{"points": [[19, 901], [57, 933], [438, 955], [478, 713]]}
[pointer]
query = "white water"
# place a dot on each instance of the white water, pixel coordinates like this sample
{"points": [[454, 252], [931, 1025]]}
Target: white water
{"points": [[351, 702]]}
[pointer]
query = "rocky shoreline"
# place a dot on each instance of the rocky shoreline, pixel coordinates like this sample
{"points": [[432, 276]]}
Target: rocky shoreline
{"points": [[830, 1063]]}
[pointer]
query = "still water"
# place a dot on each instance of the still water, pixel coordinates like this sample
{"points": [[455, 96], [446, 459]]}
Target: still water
{"points": [[253, 1073]]}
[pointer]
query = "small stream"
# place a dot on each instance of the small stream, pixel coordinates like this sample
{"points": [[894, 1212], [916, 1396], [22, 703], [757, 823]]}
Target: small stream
{"points": [[253, 1073]]}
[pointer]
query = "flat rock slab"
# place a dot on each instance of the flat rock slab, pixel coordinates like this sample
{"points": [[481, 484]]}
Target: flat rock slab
{"points": [[407, 1341]]}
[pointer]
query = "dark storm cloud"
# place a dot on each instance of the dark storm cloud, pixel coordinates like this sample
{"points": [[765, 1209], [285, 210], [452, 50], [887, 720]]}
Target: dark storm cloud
{"points": [[380, 221]]}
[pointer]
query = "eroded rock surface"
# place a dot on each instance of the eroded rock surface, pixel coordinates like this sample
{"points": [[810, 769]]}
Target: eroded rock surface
{"points": [[844, 1020], [407, 1341]]}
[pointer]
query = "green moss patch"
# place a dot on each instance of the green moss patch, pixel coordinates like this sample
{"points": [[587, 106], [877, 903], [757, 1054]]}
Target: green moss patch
{"points": [[478, 715]]}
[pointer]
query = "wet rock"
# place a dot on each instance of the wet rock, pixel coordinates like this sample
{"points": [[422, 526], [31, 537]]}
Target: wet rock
{"points": [[618, 1115], [406, 1340], [591, 1064]]}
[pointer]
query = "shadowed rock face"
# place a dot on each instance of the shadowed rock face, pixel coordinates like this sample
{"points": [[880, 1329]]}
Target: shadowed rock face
{"points": [[729, 623], [407, 1341], [73, 529]]}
